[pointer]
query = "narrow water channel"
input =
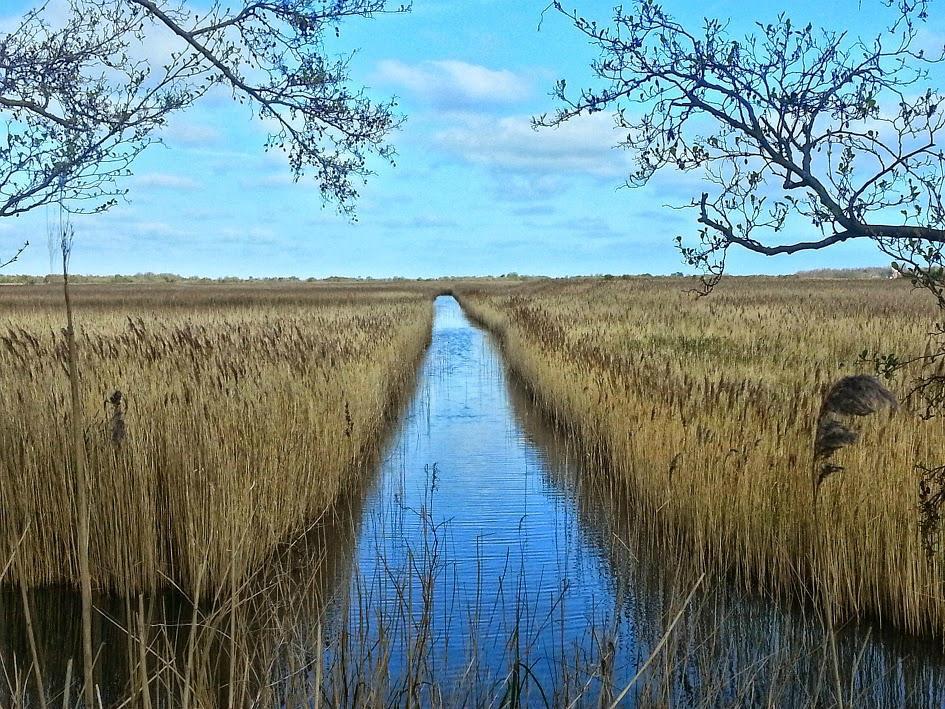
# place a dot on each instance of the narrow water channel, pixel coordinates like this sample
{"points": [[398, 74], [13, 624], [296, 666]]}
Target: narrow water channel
{"points": [[466, 519]]}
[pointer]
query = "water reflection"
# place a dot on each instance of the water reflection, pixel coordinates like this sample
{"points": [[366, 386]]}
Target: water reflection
{"points": [[465, 531], [255, 647]]}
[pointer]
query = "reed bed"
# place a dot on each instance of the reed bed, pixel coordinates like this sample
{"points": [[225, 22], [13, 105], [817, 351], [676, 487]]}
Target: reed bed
{"points": [[244, 413], [304, 628], [706, 410]]}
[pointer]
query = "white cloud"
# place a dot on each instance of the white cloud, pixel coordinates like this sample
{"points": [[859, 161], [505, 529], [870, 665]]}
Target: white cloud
{"points": [[583, 145], [454, 84], [165, 181], [420, 221], [182, 131], [530, 187], [279, 180], [157, 228]]}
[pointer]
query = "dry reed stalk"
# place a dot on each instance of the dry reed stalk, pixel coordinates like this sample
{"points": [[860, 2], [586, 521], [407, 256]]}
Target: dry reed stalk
{"points": [[256, 410], [142, 626], [67, 686], [34, 652], [192, 640], [659, 645], [82, 487]]}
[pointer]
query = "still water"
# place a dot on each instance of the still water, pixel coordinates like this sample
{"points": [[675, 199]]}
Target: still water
{"points": [[467, 520], [484, 562]]}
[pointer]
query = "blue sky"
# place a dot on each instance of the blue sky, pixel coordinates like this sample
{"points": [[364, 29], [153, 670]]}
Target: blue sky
{"points": [[475, 190]]}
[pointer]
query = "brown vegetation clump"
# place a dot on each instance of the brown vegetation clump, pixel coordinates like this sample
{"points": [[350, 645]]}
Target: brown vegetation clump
{"points": [[704, 408], [855, 395], [255, 407], [116, 419]]}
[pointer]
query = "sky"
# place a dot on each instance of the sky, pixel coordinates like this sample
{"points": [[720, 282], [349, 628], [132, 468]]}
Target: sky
{"points": [[475, 191]]}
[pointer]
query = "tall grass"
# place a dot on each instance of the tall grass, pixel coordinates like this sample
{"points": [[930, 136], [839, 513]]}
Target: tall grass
{"points": [[245, 413], [707, 410]]}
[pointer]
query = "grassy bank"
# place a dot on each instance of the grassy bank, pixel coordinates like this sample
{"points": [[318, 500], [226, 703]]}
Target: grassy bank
{"points": [[706, 410], [245, 412]]}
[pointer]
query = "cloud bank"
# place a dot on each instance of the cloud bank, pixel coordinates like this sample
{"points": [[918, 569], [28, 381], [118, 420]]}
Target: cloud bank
{"points": [[454, 85]]}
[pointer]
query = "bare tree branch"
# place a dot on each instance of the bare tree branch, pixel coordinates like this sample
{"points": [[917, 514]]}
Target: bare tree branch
{"points": [[82, 99], [15, 256], [792, 129], [787, 125]]}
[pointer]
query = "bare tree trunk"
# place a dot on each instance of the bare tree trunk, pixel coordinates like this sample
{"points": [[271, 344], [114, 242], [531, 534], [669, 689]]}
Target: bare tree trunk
{"points": [[82, 486]]}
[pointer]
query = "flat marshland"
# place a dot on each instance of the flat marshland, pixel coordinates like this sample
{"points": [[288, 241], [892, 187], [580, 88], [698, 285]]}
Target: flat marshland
{"points": [[706, 409], [245, 412], [607, 501]]}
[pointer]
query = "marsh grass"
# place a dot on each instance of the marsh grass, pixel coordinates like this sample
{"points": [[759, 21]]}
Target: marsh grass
{"points": [[707, 410], [306, 629], [686, 445], [310, 631], [220, 422], [691, 637]]}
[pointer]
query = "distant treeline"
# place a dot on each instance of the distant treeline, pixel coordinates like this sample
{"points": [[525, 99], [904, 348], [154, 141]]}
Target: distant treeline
{"points": [[874, 272], [174, 278], [158, 278]]}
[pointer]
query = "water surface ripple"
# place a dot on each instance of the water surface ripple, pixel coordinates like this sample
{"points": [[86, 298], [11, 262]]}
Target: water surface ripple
{"points": [[462, 467]]}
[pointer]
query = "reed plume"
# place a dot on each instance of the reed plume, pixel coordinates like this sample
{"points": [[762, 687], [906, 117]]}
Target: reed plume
{"points": [[237, 392]]}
